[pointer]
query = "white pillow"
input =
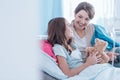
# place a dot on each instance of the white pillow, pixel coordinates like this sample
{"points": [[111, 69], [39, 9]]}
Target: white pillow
{"points": [[49, 66]]}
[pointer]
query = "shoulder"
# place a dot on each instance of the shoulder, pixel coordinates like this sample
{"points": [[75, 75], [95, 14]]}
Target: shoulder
{"points": [[57, 46], [90, 27], [59, 50], [96, 26], [100, 28]]}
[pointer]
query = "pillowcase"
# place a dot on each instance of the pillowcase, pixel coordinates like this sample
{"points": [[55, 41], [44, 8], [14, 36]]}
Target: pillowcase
{"points": [[49, 66], [47, 48]]}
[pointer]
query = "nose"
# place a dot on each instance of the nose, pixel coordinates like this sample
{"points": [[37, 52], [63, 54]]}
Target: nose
{"points": [[83, 21]]}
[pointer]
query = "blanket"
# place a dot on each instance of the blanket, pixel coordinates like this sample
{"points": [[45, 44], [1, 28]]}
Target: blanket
{"points": [[98, 72], [94, 72]]}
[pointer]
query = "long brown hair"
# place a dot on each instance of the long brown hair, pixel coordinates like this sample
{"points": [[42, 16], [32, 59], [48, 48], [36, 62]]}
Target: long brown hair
{"points": [[56, 31]]}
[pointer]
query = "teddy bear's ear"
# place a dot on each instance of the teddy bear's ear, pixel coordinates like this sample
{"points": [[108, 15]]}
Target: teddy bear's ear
{"points": [[96, 40], [105, 43]]}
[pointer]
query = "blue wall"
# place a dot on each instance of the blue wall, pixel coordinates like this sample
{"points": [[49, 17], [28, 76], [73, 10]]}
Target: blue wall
{"points": [[48, 10]]}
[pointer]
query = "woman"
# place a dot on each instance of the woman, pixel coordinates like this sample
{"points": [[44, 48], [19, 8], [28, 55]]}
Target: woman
{"points": [[85, 33], [68, 56]]}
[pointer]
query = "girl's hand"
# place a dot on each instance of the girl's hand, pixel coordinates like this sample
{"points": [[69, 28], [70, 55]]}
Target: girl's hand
{"points": [[93, 59]]}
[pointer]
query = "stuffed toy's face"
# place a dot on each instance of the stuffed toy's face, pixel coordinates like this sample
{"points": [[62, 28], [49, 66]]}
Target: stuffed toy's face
{"points": [[100, 45]]}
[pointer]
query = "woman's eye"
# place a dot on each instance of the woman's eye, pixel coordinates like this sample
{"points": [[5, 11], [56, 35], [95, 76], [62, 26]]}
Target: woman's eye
{"points": [[80, 16], [87, 19]]}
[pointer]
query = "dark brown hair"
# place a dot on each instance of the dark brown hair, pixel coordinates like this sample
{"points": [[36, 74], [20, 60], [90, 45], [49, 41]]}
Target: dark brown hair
{"points": [[56, 31], [87, 7]]}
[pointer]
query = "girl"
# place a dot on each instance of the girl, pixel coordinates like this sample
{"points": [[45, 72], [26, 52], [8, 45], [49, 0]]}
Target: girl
{"points": [[68, 55]]}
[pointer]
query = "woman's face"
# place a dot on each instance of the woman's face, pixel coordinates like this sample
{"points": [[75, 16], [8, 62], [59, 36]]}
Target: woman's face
{"points": [[68, 32], [81, 20]]}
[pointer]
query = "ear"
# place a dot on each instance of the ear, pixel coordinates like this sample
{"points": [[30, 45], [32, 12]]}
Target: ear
{"points": [[96, 40], [105, 43]]}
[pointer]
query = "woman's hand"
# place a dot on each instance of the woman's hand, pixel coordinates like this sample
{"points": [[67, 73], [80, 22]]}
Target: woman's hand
{"points": [[93, 59], [114, 56]]}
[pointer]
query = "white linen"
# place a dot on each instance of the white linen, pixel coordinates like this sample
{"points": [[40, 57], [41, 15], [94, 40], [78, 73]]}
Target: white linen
{"points": [[98, 72], [95, 72]]}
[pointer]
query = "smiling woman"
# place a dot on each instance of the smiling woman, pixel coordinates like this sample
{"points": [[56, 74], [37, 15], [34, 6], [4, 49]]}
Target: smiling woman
{"points": [[65, 8], [106, 8]]}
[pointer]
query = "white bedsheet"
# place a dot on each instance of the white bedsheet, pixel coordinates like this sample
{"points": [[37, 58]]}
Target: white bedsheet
{"points": [[98, 72], [94, 72]]}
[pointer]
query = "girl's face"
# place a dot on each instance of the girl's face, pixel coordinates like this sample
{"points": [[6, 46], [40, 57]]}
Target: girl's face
{"points": [[68, 32], [81, 20]]}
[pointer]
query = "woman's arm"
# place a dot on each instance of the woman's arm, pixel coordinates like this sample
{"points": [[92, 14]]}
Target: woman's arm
{"points": [[101, 33], [62, 63], [110, 54]]}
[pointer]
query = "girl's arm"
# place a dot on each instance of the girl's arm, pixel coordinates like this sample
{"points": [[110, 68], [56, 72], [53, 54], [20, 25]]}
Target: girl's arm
{"points": [[62, 63]]}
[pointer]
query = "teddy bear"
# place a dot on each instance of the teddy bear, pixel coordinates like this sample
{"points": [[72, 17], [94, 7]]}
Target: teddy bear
{"points": [[99, 46]]}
